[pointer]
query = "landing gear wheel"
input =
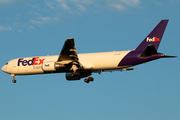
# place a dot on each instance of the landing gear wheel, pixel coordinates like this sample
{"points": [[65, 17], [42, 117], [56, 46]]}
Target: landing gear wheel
{"points": [[14, 81], [91, 79], [86, 80]]}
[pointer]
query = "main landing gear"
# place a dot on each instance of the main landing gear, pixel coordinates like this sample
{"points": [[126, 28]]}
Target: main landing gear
{"points": [[79, 75], [88, 80]]}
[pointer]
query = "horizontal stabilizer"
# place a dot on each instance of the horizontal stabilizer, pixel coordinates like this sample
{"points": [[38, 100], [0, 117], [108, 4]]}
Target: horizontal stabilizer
{"points": [[125, 69], [150, 50], [167, 56]]}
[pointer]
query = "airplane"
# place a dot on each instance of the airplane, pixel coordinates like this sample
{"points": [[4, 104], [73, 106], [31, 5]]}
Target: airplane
{"points": [[77, 66]]}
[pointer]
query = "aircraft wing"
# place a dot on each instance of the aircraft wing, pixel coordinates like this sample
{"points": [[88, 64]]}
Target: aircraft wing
{"points": [[68, 55], [68, 51]]}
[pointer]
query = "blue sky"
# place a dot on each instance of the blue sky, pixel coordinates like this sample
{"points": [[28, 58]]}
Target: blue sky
{"points": [[39, 28]]}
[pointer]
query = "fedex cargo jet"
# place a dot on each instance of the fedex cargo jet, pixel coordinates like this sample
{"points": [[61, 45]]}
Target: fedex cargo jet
{"points": [[77, 66]]}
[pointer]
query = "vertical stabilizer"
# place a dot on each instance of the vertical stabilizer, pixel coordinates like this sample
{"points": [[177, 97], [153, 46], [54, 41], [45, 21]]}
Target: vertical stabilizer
{"points": [[154, 37]]}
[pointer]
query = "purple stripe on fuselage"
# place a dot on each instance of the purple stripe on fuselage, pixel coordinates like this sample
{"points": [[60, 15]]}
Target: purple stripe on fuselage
{"points": [[133, 58]]}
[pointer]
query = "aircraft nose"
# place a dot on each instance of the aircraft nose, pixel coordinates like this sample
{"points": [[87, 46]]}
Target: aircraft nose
{"points": [[4, 68]]}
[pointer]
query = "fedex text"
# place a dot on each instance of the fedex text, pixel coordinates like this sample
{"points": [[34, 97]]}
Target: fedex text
{"points": [[33, 61], [154, 39]]}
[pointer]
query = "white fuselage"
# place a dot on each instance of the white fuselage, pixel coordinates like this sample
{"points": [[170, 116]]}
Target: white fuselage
{"points": [[93, 61]]}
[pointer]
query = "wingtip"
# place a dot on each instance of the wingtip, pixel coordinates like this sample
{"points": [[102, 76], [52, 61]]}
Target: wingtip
{"points": [[70, 38]]}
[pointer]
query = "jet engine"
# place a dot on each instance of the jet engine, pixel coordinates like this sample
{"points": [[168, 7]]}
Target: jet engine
{"points": [[70, 76]]}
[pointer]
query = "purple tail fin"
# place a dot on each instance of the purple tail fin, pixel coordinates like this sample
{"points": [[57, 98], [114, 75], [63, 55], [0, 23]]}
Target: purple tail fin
{"points": [[154, 38]]}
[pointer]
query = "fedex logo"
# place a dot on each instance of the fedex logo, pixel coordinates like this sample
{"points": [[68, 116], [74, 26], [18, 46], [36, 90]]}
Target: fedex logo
{"points": [[33, 61], [154, 39], [46, 65]]}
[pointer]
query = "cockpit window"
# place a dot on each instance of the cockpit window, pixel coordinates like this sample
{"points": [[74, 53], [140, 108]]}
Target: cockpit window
{"points": [[6, 63]]}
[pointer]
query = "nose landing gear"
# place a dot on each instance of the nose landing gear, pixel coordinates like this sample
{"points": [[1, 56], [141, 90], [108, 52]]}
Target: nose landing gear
{"points": [[14, 76]]}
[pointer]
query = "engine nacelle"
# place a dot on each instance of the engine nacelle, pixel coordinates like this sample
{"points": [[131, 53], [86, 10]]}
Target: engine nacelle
{"points": [[51, 66], [70, 77]]}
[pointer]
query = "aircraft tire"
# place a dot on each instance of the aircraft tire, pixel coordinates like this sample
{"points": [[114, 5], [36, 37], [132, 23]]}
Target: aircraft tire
{"points": [[14, 81], [91, 79], [86, 80]]}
